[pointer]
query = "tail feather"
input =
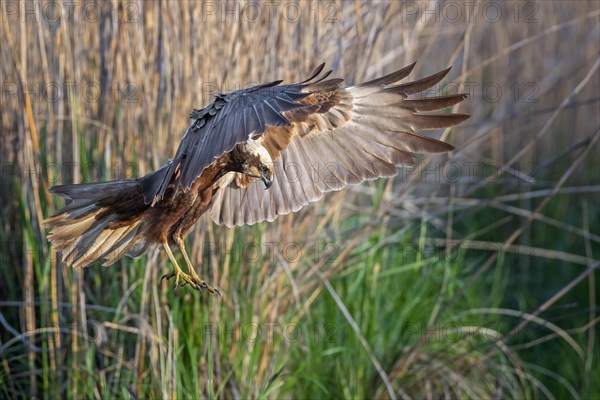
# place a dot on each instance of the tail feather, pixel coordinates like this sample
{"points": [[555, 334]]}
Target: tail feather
{"points": [[65, 229], [101, 221]]}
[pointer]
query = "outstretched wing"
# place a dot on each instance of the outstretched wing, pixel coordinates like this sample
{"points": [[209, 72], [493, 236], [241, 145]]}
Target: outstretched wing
{"points": [[231, 119], [342, 136]]}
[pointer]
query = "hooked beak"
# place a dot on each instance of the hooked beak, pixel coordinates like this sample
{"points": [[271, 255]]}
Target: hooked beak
{"points": [[267, 179]]}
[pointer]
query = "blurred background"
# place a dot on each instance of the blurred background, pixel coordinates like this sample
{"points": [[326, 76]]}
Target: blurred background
{"points": [[473, 275]]}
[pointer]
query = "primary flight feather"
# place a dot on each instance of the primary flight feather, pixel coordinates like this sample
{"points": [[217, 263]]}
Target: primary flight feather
{"points": [[250, 156]]}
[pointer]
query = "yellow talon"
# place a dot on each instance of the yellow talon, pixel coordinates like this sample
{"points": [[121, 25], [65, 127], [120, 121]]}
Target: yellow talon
{"points": [[192, 278]]}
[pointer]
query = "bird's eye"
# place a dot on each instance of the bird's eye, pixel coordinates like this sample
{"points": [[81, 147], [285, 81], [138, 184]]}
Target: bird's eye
{"points": [[264, 168]]}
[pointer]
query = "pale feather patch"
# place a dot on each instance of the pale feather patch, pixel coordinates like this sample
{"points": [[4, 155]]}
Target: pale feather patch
{"points": [[96, 249], [225, 180], [120, 247], [255, 146], [77, 228]]}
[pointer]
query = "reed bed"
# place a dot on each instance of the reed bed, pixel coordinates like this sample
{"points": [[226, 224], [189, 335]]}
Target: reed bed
{"points": [[474, 275]]}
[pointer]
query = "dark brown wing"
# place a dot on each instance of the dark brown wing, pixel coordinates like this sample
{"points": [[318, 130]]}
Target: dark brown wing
{"points": [[342, 137], [231, 119]]}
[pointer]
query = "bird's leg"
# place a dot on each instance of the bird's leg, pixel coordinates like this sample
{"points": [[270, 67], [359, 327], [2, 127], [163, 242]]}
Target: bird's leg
{"points": [[178, 273], [197, 280]]}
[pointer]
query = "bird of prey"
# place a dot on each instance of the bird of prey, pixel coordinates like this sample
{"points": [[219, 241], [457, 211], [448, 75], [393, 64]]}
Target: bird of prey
{"points": [[251, 155]]}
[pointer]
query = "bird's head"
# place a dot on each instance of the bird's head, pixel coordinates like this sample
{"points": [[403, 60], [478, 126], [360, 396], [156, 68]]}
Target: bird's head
{"points": [[258, 163]]}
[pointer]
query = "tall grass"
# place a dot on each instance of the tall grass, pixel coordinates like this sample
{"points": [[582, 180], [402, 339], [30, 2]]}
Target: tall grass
{"points": [[472, 275]]}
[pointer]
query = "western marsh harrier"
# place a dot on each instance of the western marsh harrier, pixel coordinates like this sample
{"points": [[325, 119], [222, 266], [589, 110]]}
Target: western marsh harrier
{"points": [[250, 156]]}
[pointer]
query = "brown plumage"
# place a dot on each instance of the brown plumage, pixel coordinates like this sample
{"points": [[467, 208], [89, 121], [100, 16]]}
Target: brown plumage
{"points": [[301, 140]]}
